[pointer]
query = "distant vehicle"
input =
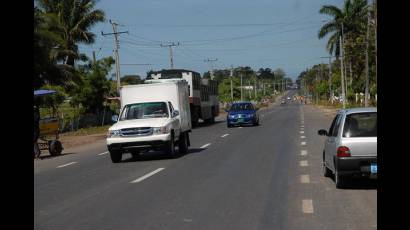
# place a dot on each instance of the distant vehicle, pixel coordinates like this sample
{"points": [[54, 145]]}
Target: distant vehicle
{"points": [[242, 113], [283, 101], [351, 145], [203, 93], [288, 98], [153, 117]]}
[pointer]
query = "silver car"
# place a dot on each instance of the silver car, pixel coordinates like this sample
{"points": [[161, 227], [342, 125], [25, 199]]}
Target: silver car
{"points": [[351, 145]]}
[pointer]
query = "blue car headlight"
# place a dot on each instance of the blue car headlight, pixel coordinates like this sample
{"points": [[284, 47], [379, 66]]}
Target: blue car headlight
{"points": [[251, 115], [231, 116]]}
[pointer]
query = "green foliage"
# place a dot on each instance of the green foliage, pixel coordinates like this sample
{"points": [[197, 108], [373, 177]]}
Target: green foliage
{"points": [[52, 101], [224, 90], [131, 80], [92, 93]]}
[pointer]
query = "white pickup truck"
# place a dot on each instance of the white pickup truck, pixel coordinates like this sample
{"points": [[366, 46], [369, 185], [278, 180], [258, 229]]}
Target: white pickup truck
{"points": [[153, 116]]}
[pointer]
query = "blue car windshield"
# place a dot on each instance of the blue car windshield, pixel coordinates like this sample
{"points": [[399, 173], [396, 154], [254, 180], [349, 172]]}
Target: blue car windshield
{"points": [[242, 106]]}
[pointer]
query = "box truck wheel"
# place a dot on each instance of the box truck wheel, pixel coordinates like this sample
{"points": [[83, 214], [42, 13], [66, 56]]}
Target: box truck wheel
{"points": [[183, 143], [115, 156]]}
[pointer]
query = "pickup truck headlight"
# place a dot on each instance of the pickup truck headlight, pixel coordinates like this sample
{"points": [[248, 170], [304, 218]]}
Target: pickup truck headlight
{"points": [[160, 130], [113, 133]]}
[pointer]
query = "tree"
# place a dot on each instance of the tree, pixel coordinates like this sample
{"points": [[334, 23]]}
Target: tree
{"points": [[347, 21], [76, 18], [131, 80], [93, 92], [47, 50]]}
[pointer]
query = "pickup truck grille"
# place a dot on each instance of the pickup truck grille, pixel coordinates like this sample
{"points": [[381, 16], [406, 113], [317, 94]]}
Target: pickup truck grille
{"points": [[141, 131]]}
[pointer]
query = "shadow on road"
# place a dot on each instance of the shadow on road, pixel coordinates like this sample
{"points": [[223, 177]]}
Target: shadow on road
{"points": [[158, 155], [50, 157], [359, 184], [204, 124]]}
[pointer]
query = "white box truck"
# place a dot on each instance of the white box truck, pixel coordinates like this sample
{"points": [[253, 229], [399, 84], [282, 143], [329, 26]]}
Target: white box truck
{"points": [[153, 116]]}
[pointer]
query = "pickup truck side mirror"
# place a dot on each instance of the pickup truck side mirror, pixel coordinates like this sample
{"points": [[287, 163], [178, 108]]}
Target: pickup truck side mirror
{"points": [[114, 118], [322, 132], [175, 113]]}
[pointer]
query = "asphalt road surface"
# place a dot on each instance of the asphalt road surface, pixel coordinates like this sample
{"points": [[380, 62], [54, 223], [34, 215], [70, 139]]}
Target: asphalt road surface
{"points": [[262, 177]]}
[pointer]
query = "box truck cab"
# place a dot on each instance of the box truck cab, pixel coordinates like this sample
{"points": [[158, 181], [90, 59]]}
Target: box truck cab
{"points": [[153, 116]]}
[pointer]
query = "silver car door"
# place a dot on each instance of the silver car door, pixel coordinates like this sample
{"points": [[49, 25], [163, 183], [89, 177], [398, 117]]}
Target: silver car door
{"points": [[329, 141], [333, 144]]}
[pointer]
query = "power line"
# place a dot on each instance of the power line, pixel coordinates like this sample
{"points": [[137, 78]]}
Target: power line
{"points": [[170, 45], [226, 25]]}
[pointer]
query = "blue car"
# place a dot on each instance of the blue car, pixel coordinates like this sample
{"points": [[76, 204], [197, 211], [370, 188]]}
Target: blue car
{"points": [[242, 113]]}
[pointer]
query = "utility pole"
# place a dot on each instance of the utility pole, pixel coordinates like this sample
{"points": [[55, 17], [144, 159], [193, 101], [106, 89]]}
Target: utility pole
{"points": [[231, 83], [117, 56], [241, 88], [341, 69], [366, 90], [211, 61], [255, 87], [249, 89], [171, 56]]}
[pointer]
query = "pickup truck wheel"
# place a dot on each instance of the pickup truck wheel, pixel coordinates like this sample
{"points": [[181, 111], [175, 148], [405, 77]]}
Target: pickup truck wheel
{"points": [[135, 155], [338, 180], [183, 143], [170, 149], [116, 157]]}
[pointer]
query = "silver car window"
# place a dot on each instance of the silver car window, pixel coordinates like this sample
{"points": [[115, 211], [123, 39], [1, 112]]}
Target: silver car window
{"points": [[332, 125], [360, 125], [337, 125]]}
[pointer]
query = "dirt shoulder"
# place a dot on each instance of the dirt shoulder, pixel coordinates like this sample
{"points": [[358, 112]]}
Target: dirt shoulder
{"points": [[328, 111]]}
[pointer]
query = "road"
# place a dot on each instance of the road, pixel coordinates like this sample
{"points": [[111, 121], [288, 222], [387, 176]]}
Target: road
{"points": [[264, 177]]}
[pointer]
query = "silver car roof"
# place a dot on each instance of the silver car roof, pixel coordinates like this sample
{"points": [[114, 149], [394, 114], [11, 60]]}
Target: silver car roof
{"points": [[358, 110]]}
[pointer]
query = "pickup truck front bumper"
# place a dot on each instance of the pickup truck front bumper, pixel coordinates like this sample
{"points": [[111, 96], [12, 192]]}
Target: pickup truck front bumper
{"points": [[356, 166], [129, 144]]}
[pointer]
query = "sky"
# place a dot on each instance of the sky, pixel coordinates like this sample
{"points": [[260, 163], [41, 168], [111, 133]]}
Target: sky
{"points": [[259, 33]]}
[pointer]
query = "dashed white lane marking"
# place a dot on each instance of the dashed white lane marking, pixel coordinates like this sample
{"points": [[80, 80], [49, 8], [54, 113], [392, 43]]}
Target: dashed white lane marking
{"points": [[224, 135], [102, 153], [71, 163], [302, 126], [303, 163], [302, 132], [303, 143], [307, 206], [205, 145], [303, 152], [303, 137], [147, 175], [240, 127], [305, 179]]}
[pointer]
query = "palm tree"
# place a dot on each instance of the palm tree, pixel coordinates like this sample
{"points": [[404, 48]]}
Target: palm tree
{"points": [[48, 50], [347, 22], [76, 18]]}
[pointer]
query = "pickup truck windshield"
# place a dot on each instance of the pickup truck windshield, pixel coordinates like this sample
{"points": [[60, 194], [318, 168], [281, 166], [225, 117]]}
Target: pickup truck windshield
{"points": [[144, 110]]}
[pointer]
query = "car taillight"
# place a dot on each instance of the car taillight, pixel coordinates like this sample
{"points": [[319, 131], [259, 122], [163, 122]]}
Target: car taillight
{"points": [[343, 151]]}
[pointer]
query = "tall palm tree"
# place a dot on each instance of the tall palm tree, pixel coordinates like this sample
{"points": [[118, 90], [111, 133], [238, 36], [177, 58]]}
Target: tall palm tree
{"points": [[76, 18], [48, 50], [348, 21]]}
